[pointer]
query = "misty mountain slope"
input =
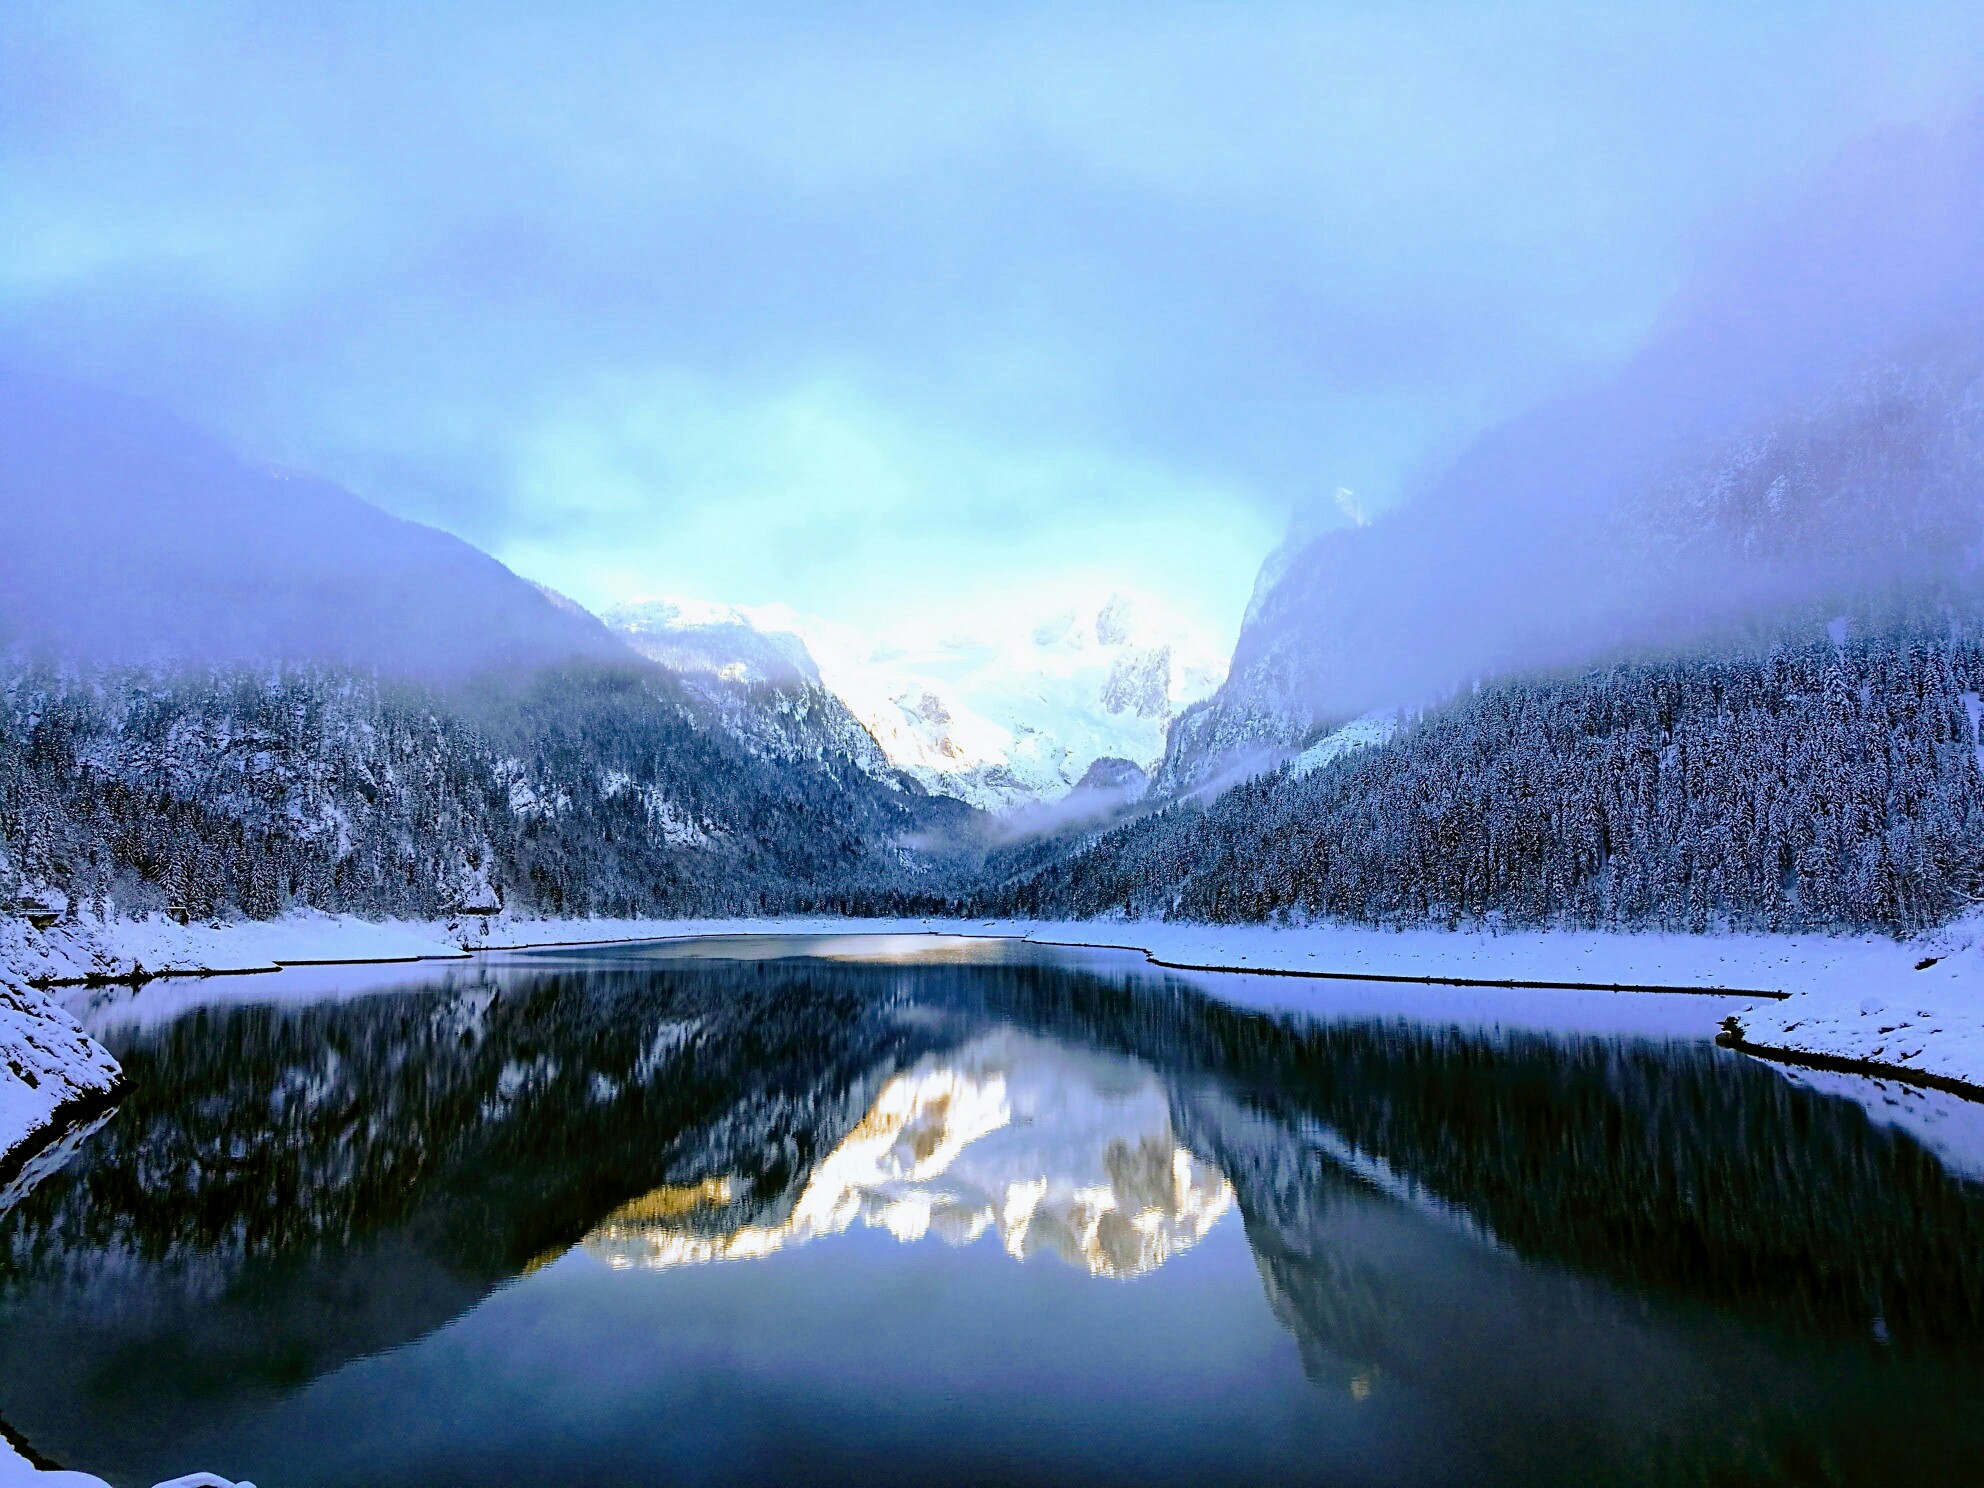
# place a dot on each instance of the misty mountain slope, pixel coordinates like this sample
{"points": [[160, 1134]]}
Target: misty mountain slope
{"points": [[1868, 489], [1748, 698], [1696, 647], [1809, 429], [235, 692], [1795, 784], [132, 538]]}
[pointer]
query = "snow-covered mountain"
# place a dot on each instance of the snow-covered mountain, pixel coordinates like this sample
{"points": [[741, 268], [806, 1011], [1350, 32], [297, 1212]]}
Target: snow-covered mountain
{"points": [[1697, 647], [1809, 430], [762, 684], [232, 690], [693, 637], [1002, 715]]}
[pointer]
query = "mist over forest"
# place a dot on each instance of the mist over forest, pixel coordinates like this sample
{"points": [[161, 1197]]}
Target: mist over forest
{"points": [[1804, 434]]}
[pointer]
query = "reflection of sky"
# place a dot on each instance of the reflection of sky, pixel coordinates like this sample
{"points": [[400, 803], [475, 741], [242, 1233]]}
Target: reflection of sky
{"points": [[673, 300]]}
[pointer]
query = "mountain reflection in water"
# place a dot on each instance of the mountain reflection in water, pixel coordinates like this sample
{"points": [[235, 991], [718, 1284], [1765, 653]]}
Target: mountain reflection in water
{"points": [[1066, 1153], [1509, 1257]]}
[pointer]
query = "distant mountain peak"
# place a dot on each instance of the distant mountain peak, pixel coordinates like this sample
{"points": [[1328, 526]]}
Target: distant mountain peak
{"points": [[696, 636], [1001, 715]]}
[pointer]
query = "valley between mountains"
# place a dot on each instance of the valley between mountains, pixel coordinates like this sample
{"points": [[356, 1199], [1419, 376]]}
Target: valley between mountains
{"points": [[1690, 658]]}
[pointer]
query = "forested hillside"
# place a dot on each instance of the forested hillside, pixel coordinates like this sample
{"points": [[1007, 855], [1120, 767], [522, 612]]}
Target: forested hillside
{"points": [[573, 790], [1765, 714], [1700, 645], [226, 690], [1803, 784]]}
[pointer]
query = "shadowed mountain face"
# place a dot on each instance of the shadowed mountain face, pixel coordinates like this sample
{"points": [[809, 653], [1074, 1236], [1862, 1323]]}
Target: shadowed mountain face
{"points": [[1567, 1259]]}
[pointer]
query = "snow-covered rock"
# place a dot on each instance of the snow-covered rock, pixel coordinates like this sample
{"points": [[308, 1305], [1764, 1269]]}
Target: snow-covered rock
{"points": [[693, 636], [760, 685]]}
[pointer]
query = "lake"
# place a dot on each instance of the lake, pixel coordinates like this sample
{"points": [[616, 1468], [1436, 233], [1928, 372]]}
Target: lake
{"points": [[924, 1212]]}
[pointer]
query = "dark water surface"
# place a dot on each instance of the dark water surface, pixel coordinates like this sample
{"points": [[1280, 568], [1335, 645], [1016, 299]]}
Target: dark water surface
{"points": [[754, 1216]]}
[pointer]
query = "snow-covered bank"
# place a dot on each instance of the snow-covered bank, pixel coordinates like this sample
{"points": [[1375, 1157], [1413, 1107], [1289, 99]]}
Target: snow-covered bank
{"points": [[1914, 1012], [52, 1074], [1914, 1008], [122, 950], [17, 1472]]}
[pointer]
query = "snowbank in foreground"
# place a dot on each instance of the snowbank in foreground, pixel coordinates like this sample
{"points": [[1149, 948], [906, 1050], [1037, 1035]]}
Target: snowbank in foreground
{"points": [[17, 1470], [50, 1070]]}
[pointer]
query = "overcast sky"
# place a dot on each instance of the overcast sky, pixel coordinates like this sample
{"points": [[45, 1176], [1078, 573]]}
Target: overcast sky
{"points": [[874, 309]]}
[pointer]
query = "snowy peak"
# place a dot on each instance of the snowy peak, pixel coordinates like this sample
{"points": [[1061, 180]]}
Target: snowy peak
{"points": [[1140, 683], [1013, 712], [1003, 712], [692, 636]]}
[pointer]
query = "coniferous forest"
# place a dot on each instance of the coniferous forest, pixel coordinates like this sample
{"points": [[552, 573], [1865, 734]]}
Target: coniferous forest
{"points": [[583, 790], [1802, 785]]}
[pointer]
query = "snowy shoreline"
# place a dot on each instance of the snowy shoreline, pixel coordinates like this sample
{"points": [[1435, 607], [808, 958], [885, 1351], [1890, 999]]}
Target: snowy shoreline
{"points": [[1908, 1010], [1850, 1008]]}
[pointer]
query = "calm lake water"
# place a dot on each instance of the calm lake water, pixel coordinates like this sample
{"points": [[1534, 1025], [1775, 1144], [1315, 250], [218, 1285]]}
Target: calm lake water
{"points": [[775, 1213]]}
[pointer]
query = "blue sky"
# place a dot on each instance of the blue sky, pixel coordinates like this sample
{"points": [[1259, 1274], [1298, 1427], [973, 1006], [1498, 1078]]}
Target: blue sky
{"points": [[876, 310]]}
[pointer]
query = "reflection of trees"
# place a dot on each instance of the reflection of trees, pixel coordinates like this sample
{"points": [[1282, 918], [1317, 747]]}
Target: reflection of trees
{"points": [[285, 1188], [1670, 1166]]}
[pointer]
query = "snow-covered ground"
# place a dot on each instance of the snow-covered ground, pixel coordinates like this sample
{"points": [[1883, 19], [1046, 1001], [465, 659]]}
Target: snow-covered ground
{"points": [[158, 946], [1915, 1006], [50, 1069], [17, 1470]]}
